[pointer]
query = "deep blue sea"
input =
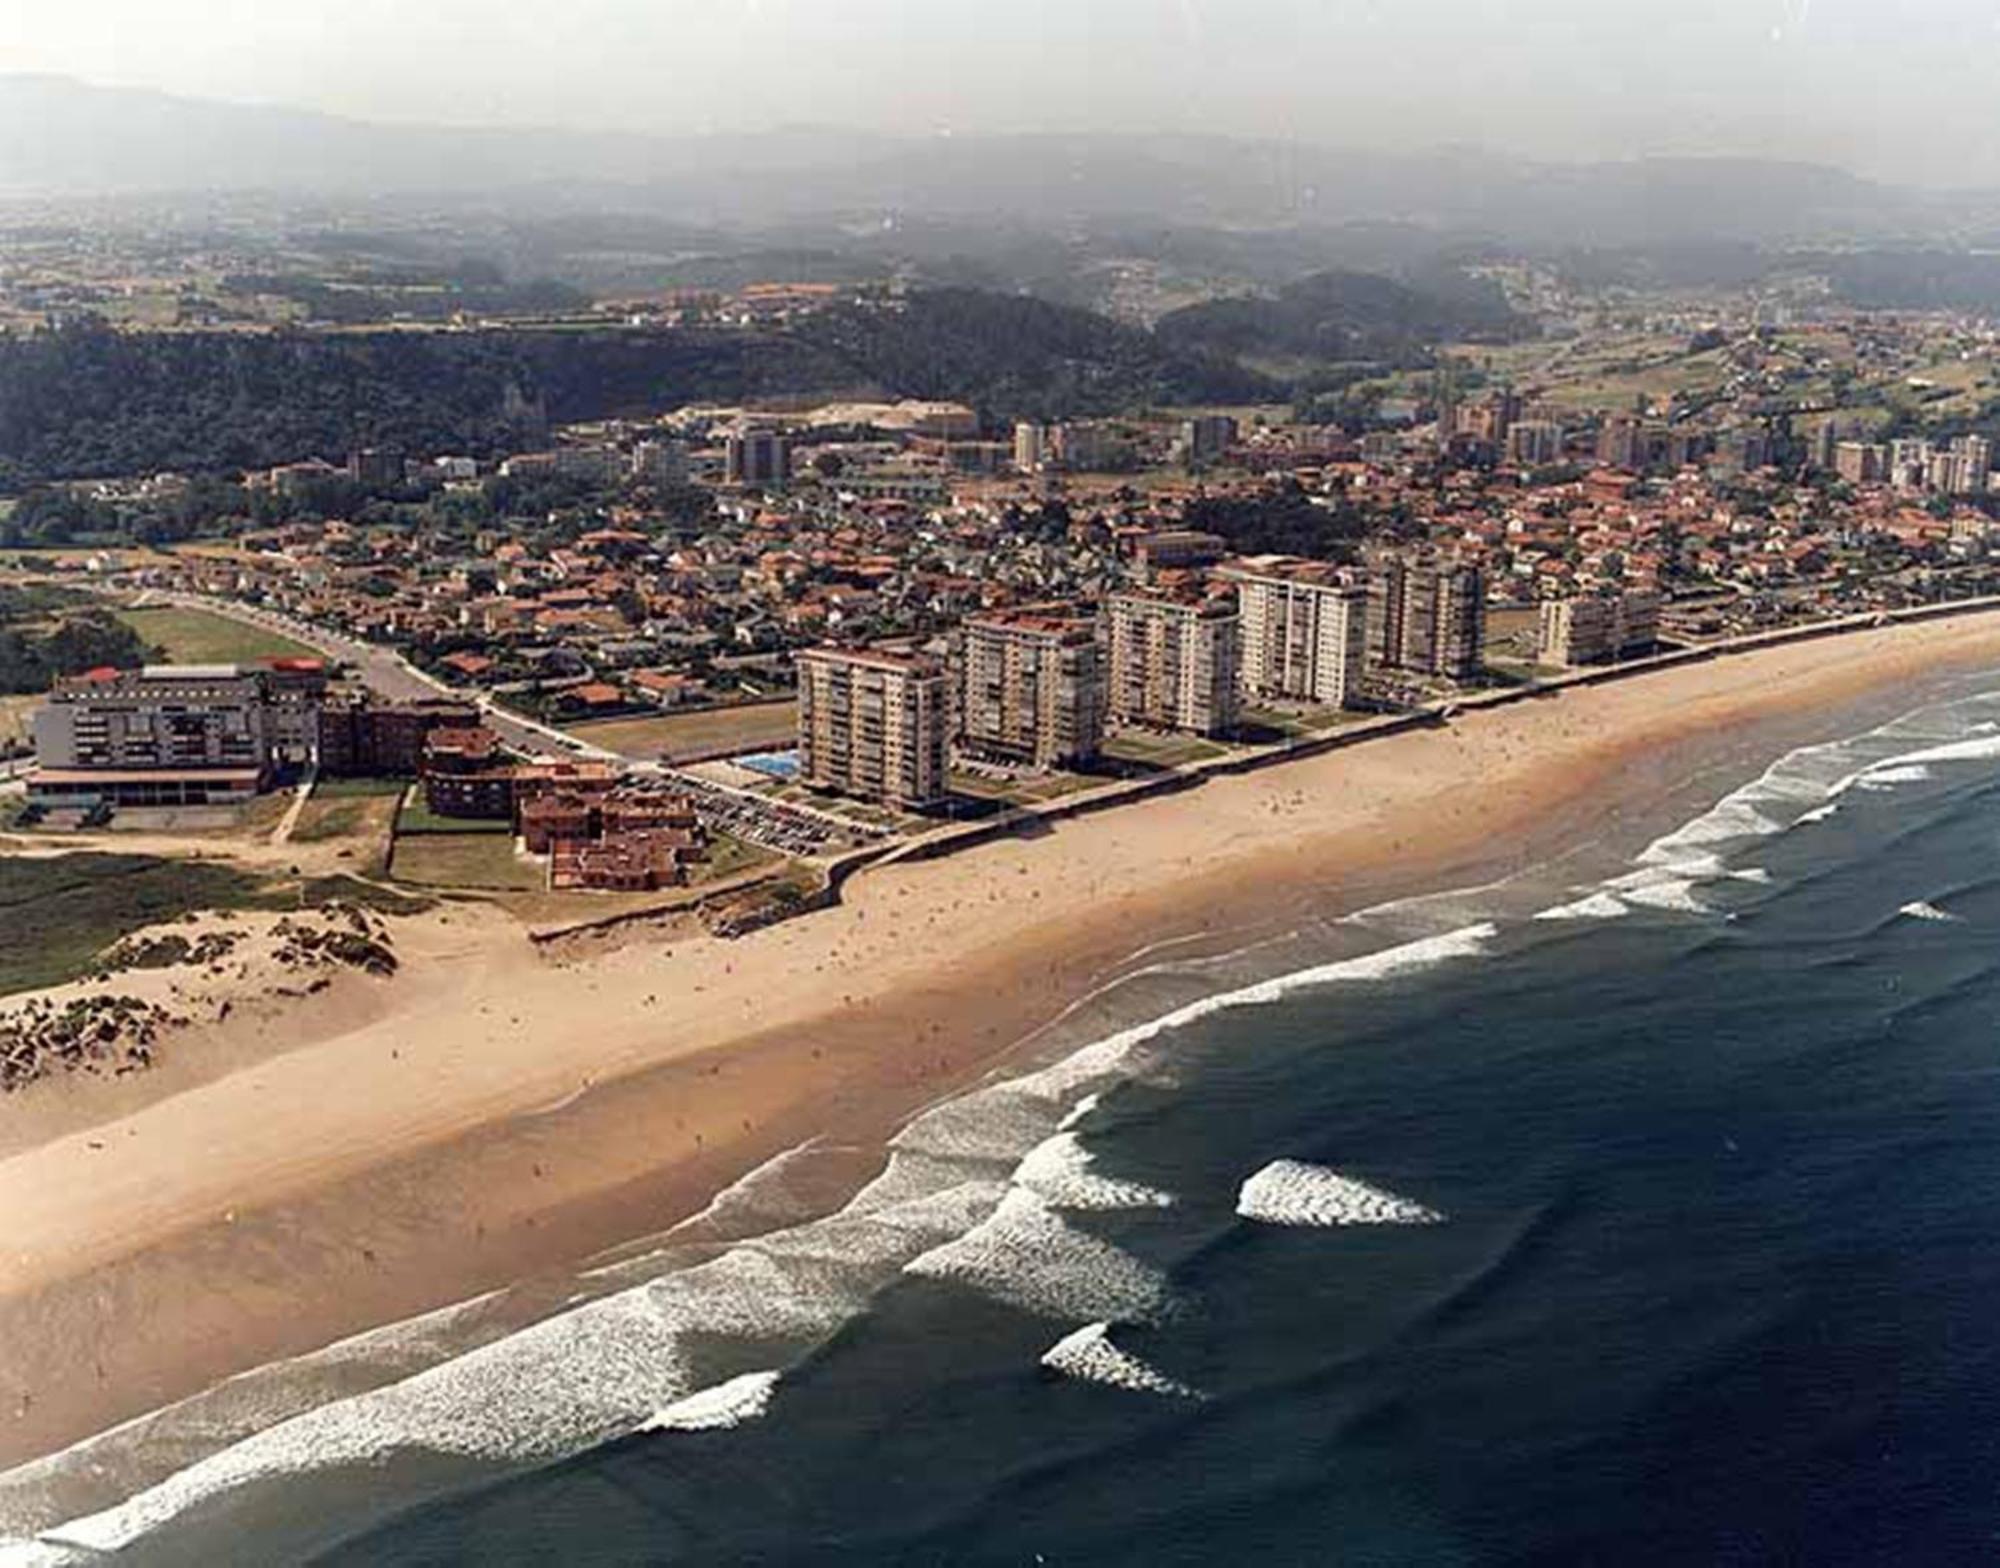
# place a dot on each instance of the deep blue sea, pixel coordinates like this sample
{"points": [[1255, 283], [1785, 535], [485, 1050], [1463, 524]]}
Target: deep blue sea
{"points": [[1649, 1220]]}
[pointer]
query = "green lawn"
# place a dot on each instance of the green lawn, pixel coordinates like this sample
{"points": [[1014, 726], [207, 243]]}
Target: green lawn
{"points": [[344, 816], [197, 637], [728, 856], [749, 727], [417, 819], [481, 861], [1161, 751]]}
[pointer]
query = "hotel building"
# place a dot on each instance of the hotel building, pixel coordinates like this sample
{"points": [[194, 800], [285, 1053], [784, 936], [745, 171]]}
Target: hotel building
{"points": [[166, 735], [1174, 662], [873, 725]]}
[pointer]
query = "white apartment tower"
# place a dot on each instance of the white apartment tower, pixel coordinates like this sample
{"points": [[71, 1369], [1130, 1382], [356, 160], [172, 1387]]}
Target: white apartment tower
{"points": [[1305, 631]]}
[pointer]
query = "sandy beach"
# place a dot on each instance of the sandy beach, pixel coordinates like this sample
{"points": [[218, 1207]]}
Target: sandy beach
{"points": [[292, 1175]]}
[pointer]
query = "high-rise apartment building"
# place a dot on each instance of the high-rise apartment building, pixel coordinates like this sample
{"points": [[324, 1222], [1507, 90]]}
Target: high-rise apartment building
{"points": [[1621, 443], [660, 462], [1305, 630], [1427, 616], [1975, 455], [1031, 447], [757, 458], [1175, 662], [1206, 437], [1534, 442], [1031, 687], [874, 725], [1859, 462]]}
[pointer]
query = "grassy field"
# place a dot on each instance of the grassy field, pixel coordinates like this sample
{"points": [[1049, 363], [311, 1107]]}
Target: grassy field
{"points": [[325, 818], [1161, 751], [728, 856], [196, 637], [56, 915], [1029, 790], [343, 789], [765, 725], [418, 819], [477, 861]]}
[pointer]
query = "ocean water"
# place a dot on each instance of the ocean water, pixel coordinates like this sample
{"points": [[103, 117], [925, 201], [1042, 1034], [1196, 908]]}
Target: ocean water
{"points": [[1652, 1218]]}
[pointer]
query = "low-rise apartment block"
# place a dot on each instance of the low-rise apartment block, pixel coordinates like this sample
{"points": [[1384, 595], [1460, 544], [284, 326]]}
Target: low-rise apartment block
{"points": [[165, 735], [1599, 627]]}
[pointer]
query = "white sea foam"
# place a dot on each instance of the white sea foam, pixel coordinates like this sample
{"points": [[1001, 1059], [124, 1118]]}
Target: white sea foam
{"points": [[1028, 1256], [1931, 912], [1914, 773], [1288, 1192], [1080, 1112], [754, 1193], [1904, 766], [718, 1409], [1656, 890], [1089, 1356], [41, 1554], [548, 1392], [1813, 777], [1059, 1168], [1598, 906]]}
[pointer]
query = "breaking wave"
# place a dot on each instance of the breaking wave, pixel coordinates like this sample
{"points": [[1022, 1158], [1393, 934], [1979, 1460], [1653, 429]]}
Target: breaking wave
{"points": [[1288, 1192], [1089, 1356], [1028, 1256], [717, 1409]]}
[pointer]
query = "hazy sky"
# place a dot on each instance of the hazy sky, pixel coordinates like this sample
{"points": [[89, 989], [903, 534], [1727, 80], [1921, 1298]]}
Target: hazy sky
{"points": [[1899, 87]]}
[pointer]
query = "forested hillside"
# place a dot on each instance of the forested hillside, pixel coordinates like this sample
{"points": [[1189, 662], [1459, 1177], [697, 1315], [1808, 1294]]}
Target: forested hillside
{"points": [[1344, 316], [85, 401], [1017, 357]]}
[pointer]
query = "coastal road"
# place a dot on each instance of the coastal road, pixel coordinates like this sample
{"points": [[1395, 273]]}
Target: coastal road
{"points": [[792, 827], [388, 674]]}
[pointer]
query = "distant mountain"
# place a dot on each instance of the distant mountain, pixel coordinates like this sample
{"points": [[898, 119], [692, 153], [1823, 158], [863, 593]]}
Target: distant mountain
{"points": [[63, 137]]}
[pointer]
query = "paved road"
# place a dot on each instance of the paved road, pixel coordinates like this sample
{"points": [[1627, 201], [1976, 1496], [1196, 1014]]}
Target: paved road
{"points": [[794, 828], [388, 674]]}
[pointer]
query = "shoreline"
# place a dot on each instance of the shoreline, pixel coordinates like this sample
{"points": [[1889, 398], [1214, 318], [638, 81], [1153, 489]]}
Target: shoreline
{"points": [[476, 1135]]}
